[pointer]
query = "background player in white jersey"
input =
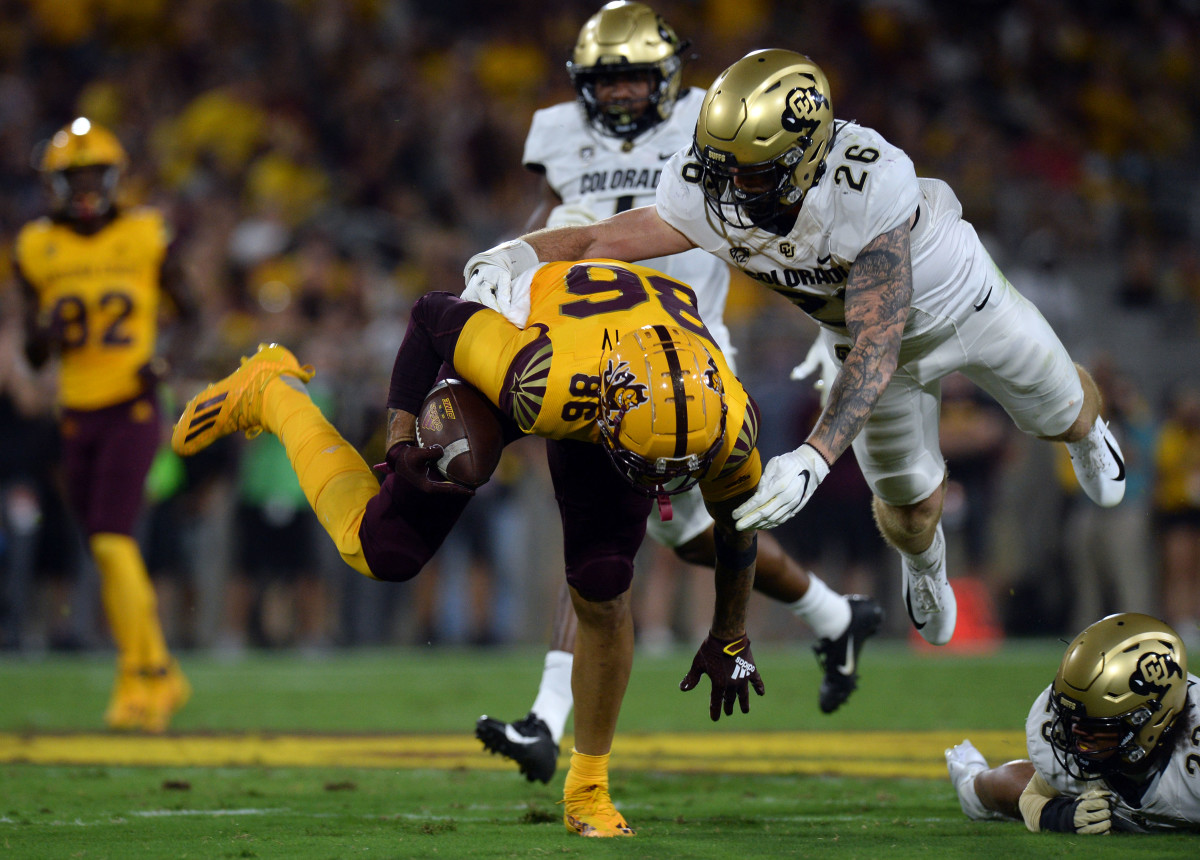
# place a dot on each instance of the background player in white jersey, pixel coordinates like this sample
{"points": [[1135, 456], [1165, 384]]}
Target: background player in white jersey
{"points": [[601, 155], [833, 217], [1114, 742]]}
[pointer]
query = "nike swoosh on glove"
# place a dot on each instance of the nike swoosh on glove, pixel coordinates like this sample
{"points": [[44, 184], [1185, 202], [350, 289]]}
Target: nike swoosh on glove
{"points": [[489, 277], [787, 484], [730, 667]]}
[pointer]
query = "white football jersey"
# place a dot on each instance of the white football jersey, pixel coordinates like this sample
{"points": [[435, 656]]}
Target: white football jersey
{"points": [[1171, 801], [606, 176], [869, 187]]}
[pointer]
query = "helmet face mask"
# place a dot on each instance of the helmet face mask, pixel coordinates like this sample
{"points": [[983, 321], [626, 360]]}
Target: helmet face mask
{"points": [[626, 41], [82, 165], [764, 130], [1119, 689], [84, 193], [662, 409]]}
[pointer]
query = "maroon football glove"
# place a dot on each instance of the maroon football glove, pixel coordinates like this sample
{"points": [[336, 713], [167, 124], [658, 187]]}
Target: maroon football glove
{"points": [[418, 466], [730, 666]]}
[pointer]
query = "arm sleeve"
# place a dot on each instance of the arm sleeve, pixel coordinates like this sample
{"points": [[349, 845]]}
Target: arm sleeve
{"points": [[434, 326], [1033, 800]]}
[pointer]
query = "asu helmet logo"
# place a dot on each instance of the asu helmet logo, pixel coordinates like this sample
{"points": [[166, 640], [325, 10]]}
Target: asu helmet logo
{"points": [[623, 393], [712, 378]]}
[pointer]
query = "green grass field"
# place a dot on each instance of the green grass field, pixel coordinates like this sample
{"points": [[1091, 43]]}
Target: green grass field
{"points": [[371, 754]]}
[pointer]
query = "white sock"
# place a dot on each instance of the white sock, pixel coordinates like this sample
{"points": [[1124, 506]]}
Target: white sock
{"points": [[823, 609], [933, 558], [554, 700], [1093, 439], [971, 805]]}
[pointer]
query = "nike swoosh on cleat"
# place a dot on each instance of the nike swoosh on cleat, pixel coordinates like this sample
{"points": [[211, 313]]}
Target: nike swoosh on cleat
{"points": [[1120, 463], [847, 668], [913, 618], [979, 306], [517, 738]]}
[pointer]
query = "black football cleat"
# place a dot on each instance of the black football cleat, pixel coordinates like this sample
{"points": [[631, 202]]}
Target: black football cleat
{"points": [[839, 657], [527, 742]]}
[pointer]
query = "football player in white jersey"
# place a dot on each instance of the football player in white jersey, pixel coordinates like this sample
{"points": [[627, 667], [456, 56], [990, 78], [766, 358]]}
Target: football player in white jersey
{"points": [[603, 154], [833, 217], [1114, 742]]}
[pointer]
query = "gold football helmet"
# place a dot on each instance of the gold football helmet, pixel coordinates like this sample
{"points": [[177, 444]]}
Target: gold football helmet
{"points": [[662, 409], [764, 130], [626, 39], [1119, 688], [77, 150]]}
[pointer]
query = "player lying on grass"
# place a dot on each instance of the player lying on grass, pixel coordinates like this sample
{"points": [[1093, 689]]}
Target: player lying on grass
{"points": [[1114, 742], [617, 371]]}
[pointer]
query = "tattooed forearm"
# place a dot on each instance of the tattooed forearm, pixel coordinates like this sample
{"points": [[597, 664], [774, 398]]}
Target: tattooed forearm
{"points": [[878, 295]]}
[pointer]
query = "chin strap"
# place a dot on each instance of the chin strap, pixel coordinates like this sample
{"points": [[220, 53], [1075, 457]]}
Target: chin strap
{"points": [[665, 511]]}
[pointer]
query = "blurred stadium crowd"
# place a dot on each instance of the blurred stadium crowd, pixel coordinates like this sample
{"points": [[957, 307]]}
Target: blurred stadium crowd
{"points": [[325, 162]]}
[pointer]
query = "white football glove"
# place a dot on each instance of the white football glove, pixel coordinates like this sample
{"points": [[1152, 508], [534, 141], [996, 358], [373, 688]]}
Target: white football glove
{"points": [[489, 276], [570, 215], [1093, 812], [787, 483], [819, 361]]}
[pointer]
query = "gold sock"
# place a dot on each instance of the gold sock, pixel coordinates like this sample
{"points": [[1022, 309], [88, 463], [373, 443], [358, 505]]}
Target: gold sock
{"points": [[586, 770], [336, 481], [129, 601]]}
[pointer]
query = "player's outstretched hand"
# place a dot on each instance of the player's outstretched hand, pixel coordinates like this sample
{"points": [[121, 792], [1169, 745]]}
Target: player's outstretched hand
{"points": [[786, 485], [489, 277], [730, 666], [418, 466]]}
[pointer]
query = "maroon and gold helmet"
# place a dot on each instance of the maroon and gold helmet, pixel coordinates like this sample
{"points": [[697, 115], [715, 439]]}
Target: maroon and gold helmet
{"points": [[662, 409], [82, 164]]}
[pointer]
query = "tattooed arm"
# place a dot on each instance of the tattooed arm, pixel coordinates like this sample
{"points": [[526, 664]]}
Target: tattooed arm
{"points": [[878, 294]]}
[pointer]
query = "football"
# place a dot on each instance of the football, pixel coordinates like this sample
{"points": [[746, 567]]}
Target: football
{"points": [[460, 419]]}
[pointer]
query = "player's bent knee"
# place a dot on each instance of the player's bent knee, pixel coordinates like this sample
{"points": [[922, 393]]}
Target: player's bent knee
{"points": [[391, 548], [386, 563]]}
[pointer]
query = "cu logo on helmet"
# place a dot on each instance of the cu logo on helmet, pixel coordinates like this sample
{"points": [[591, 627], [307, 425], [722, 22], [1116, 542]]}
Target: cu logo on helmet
{"points": [[1153, 672], [801, 103]]}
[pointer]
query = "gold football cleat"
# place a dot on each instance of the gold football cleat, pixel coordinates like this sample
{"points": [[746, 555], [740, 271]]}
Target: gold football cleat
{"points": [[235, 402]]}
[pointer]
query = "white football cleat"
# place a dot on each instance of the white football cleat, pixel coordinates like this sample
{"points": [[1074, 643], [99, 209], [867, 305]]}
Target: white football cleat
{"points": [[1099, 466], [929, 598], [965, 763]]}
